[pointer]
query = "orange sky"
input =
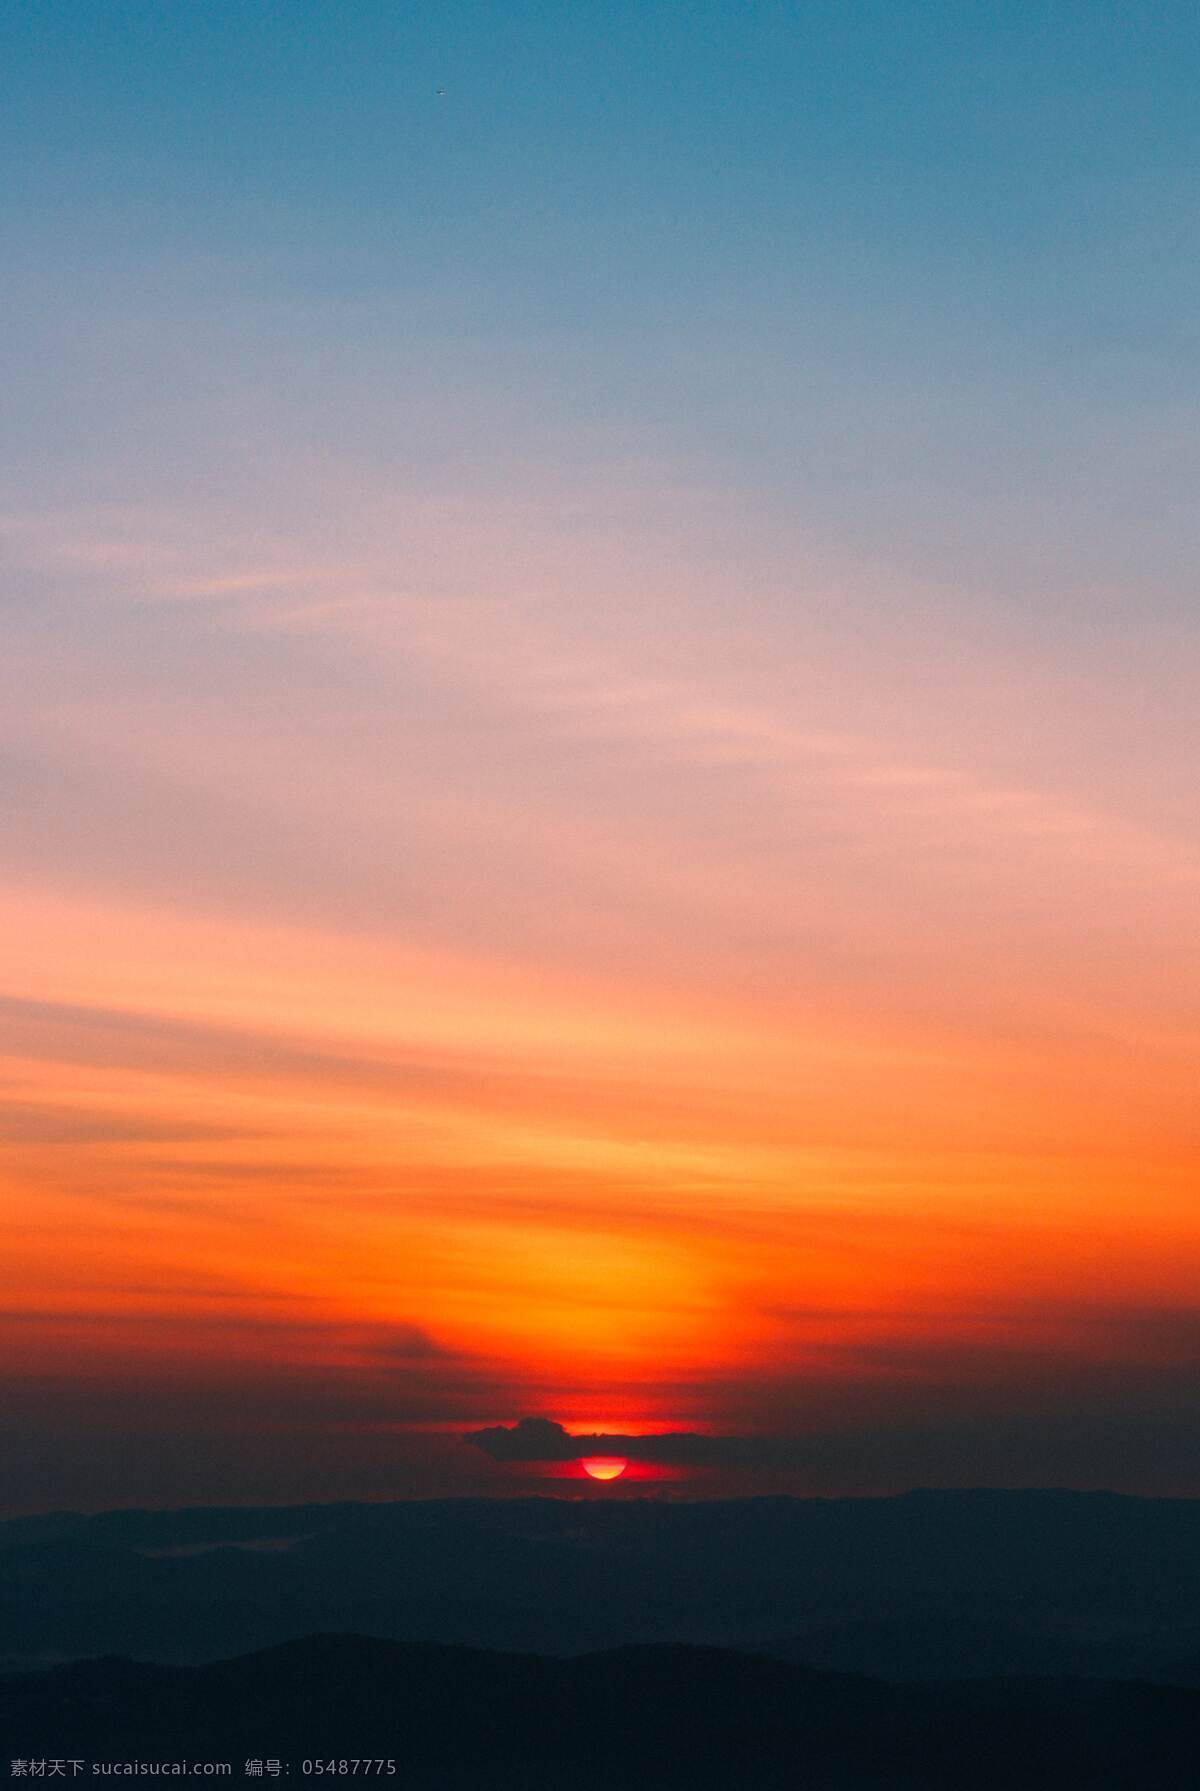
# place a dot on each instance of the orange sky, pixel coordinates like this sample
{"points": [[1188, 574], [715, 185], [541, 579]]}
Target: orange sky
{"points": [[754, 1143]]}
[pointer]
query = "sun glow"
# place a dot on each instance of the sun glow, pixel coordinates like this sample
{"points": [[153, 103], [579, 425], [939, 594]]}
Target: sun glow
{"points": [[604, 1467]]}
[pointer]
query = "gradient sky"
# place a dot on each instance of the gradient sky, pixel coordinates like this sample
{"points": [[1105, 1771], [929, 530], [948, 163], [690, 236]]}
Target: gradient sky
{"points": [[598, 742]]}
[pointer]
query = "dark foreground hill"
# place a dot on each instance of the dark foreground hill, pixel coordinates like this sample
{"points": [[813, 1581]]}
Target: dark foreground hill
{"points": [[928, 1585], [658, 1717]]}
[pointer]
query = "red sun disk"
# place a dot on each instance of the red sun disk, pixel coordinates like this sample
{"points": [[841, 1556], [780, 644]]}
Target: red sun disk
{"points": [[604, 1467]]}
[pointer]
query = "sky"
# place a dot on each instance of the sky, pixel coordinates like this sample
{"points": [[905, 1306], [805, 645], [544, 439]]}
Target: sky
{"points": [[598, 799]]}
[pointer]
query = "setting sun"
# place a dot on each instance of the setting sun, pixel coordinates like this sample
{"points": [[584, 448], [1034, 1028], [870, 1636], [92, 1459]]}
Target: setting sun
{"points": [[604, 1467]]}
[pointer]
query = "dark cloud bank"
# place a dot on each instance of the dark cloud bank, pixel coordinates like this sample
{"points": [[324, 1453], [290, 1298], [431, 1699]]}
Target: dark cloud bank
{"points": [[1129, 1445], [544, 1440]]}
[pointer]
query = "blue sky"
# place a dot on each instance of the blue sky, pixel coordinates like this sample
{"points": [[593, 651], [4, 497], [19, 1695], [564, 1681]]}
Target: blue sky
{"points": [[915, 272]]}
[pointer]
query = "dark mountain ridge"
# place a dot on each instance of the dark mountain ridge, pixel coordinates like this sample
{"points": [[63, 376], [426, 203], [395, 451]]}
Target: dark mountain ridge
{"points": [[653, 1717], [954, 1583]]}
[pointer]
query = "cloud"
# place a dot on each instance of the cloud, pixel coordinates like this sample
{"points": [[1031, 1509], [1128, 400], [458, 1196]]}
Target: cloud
{"points": [[533, 1440], [41, 1123], [530, 1439], [542, 1439], [1125, 1426]]}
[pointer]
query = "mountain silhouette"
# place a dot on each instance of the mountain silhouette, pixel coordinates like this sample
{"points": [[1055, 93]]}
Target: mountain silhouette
{"points": [[662, 1718], [927, 1585]]}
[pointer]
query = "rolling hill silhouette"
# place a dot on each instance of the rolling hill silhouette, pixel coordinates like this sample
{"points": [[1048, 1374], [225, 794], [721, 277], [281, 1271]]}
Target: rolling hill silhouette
{"points": [[927, 1585], [653, 1717]]}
